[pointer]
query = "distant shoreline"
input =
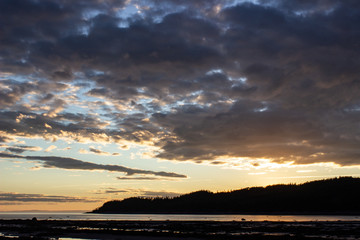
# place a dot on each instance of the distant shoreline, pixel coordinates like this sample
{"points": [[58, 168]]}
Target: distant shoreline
{"points": [[337, 196]]}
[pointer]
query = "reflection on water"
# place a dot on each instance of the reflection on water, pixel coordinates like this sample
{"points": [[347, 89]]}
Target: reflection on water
{"points": [[171, 217]]}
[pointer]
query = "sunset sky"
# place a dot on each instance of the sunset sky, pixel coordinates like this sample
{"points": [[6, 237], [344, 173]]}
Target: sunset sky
{"points": [[108, 99]]}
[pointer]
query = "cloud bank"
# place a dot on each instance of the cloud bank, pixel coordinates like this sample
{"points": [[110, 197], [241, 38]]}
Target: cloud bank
{"points": [[198, 80]]}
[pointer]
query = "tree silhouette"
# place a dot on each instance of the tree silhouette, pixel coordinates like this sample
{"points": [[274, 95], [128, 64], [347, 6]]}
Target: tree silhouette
{"points": [[333, 196]]}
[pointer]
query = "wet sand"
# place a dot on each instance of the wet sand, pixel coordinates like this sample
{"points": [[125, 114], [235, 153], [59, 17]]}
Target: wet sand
{"points": [[172, 230]]}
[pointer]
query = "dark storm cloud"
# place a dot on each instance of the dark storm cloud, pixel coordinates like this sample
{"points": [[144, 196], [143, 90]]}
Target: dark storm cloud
{"points": [[75, 164], [281, 135], [278, 79], [25, 197], [309, 6], [132, 56], [241, 132]]}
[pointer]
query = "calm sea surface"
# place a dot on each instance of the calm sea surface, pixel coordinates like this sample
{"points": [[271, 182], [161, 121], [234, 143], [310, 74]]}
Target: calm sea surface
{"points": [[171, 217]]}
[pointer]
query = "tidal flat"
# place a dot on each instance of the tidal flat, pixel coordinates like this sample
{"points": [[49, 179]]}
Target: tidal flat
{"points": [[172, 230]]}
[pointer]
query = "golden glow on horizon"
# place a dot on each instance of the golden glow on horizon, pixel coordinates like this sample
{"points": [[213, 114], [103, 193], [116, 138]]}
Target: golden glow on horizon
{"points": [[147, 98]]}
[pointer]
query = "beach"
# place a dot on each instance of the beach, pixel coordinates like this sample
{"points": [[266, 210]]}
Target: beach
{"points": [[191, 230]]}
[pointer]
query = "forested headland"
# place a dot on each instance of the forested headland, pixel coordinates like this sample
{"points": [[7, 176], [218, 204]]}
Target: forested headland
{"points": [[331, 196]]}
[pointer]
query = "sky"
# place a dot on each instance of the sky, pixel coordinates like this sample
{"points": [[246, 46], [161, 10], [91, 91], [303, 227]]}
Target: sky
{"points": [[109, 99]]}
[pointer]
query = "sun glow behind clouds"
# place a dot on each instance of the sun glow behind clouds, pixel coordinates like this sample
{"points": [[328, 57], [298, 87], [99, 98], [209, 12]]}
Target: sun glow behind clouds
{"points": [[243, 90]]}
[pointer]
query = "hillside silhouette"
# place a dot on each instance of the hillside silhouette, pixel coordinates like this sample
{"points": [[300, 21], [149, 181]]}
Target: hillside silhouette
{"points": [[332, 196]]}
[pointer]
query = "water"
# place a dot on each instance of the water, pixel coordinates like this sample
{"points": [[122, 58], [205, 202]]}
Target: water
{"points": [[171, 217]]}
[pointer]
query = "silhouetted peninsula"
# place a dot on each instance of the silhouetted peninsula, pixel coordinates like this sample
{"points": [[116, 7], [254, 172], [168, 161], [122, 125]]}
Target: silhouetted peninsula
{"points": [[332, 196]]}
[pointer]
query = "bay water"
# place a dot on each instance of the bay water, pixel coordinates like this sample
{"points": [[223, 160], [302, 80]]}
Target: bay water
{"points": [[171, 217]]}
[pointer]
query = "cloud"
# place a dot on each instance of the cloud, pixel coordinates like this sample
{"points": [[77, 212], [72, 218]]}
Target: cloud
{"points": [[50, 148], [25, 197], [22, 148], [115, 191], [82, 128], [75, 164], [278, 135], [138, 192], [100, 152], [159, 194], [112, 190], [196, 80], [143, 178]]}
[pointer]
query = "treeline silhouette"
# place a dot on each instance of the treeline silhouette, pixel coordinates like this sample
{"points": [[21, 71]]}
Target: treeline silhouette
{"points": [[331, 196]]}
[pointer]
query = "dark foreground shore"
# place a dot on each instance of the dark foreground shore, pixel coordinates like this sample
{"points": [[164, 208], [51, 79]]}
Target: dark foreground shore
{"points": [[171, 230]]}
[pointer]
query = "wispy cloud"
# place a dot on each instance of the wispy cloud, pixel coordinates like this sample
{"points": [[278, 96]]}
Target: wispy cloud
{"points": [[159, 194], [98, 152], [75, 164], [145, 178], [25, 197], [22, 148], [138, 192], [50, 148]]}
